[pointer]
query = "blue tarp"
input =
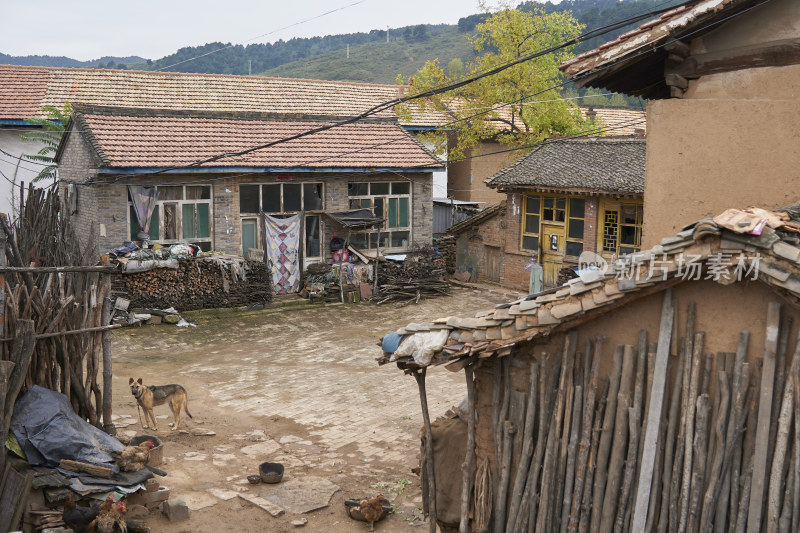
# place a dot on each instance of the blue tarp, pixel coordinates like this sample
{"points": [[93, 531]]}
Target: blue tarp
{"points": [[48, 430]]}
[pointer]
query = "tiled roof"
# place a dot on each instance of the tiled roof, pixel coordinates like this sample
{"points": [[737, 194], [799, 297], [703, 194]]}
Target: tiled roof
{"points": [[596, 164], [641, 46], [479, 217], [618, 120], [134, 138], [24, 90], [719, 241]]}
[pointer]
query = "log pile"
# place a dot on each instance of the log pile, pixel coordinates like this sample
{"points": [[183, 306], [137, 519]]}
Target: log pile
{"points": [[49, 290], [447, 247], [714, 448], [421, 275], [195, 284]]}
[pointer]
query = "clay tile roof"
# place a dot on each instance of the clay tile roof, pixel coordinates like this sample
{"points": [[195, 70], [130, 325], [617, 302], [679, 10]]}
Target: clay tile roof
{"points": [[603, 165], [631, 62], [742, 245], [132, 138], [24, 90]]}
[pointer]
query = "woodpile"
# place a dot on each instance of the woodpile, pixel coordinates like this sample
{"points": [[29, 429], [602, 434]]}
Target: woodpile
{"points": [[447, 247], [421, 275], [195, 284], [674, 440], [55, 312]]}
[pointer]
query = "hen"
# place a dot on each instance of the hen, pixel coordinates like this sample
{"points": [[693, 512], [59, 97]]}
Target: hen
{"points": [[133, 458], [372, 510], [110, 515], [79, 519]]}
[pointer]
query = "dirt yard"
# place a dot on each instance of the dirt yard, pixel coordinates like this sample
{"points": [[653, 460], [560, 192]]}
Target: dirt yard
{"points": [[299, 386]]}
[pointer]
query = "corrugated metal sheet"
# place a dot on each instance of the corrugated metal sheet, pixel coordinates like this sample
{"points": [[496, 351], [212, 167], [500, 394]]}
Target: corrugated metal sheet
{"points": [[444, 216]]}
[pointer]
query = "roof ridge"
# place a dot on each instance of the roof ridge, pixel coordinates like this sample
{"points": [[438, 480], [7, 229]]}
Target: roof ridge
{"points": [[232, 76]]}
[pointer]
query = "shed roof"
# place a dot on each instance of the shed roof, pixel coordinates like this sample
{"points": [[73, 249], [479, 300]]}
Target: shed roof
{"points": [[598, 165], [724, 244], [633, 62], [481, 216], [135, 138]]}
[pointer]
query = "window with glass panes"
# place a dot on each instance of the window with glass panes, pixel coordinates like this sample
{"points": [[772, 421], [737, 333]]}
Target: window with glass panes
{"points": [[183, 213], [621, 232], [566, 210], [390, 200], [281, 200]]}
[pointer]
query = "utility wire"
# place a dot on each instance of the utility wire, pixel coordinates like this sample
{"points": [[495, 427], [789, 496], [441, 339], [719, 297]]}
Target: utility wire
{"points": [[425, 94]]}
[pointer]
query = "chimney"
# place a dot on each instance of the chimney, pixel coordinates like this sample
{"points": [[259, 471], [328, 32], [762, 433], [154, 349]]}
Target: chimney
{"points": [[591, 113]]}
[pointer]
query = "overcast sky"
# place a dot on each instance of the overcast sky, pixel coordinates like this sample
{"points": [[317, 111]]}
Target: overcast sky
{"points": [[90, 29]]}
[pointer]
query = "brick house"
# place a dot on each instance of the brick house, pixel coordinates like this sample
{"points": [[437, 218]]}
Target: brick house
{"points": [[25, 90], [466, 178], [372, 163], [565, 197]]}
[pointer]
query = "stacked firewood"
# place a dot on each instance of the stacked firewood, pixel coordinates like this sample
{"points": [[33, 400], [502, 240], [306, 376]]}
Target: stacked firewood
{"points": [[724, 453], [195, 284], [65, 301], [447, 247], [421, 275]]}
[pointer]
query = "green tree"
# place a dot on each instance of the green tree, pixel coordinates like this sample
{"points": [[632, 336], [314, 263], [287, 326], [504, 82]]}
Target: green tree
{"points": [[52, 128], [455, 68], [534, 109]]}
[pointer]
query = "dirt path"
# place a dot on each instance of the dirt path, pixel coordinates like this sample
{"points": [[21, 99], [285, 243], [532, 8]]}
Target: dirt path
{"points": [[299, 387]]}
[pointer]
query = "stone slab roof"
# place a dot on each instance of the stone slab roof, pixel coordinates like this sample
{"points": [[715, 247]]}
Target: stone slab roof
{"points": [[639, 53], [125, 138], [599, 165], [24, 90], [750, 244]]}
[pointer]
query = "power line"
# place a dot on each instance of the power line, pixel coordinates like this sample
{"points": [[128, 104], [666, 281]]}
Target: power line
{"points": [[425, 94], [262, 35]]}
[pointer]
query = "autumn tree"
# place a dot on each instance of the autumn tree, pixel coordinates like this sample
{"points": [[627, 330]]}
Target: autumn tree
{"points": [[532, 106]]}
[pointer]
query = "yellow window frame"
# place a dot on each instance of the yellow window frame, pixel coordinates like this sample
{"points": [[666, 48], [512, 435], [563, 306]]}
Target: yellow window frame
{"points": [[567, 215], [611, 225]]}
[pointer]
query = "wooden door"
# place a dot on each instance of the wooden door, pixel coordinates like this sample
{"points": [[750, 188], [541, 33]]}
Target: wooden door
{"points": [[492, 264], [553, 244]]}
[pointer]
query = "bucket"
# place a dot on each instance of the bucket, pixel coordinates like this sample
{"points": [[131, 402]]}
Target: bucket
{"points": [[156, 456]]}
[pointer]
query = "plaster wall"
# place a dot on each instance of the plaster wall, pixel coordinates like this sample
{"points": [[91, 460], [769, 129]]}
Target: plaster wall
{"points": [[774, 21], [465, 178], [14, 169], [709, 154]]}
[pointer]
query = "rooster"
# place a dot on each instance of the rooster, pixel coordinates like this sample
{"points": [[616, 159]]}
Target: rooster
{"points": [[372, 510], [79, 519], [133, 458], [110, 515]]}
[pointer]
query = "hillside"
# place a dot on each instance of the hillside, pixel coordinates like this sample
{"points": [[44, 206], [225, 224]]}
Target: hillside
{"points": [[381, 62], [62, 61]]}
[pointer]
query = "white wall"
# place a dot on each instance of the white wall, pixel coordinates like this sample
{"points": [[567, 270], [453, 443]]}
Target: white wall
{"points": [[14, 169]]}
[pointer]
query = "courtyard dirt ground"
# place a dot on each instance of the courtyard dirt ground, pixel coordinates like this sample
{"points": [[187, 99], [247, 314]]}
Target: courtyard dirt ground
{"points": [[297, 385]]}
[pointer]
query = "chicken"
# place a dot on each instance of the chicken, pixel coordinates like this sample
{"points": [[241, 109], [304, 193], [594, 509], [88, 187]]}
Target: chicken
{"points": [[372, 510], [79, 519], [110, 515], [133, 458]]}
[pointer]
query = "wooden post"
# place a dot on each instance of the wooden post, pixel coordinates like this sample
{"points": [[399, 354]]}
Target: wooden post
{"points": [[108, 425], [21, 353], [527, 444], [606, 438], [758, 481], [469, 460], [430, 472], [655, 409]]}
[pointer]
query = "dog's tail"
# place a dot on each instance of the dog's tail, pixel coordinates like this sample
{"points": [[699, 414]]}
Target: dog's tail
{"points": [[186, 406]]}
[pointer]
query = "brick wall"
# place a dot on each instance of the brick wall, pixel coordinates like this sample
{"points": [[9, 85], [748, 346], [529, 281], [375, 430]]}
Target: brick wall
{"points": [[103, 209]]}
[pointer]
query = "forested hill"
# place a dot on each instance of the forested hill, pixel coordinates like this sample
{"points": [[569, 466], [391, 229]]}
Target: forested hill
{"points": [[61, 61], [366, 57]]}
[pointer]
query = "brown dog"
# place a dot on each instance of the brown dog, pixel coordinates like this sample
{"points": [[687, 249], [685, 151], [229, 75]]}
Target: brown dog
{"points": [[152, 395]]}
